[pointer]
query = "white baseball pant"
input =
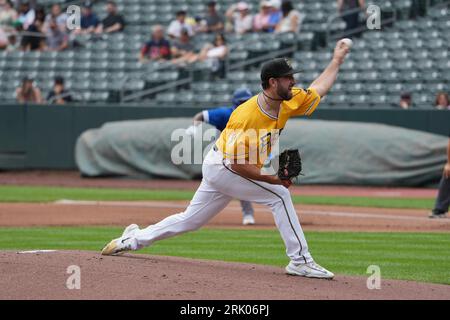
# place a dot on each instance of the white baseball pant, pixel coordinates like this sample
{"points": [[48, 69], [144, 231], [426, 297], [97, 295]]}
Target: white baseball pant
{"points": [[219, 186]]}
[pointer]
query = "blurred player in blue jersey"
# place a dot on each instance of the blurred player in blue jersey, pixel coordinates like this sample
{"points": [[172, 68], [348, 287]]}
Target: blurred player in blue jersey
{"points": [[218, 117]]}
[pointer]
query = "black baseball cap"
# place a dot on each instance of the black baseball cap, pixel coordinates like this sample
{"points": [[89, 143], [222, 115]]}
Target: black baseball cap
{"points": [[277, 68], [59, 80]]}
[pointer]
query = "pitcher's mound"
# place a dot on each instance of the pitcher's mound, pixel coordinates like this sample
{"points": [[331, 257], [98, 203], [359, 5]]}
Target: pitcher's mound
{"points": [[47, 275]]}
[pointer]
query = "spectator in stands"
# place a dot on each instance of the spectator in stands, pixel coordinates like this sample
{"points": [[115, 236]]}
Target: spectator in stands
{"points": [[57, 15], [442, 102], [59, 95], [8, 15], [158, 48], [443, 199], [26, 16], [57, 40], [214, 54], [28, 93], [349, 11], [175, 27], [291, 20], [275, 14], [240, 18], [261, 20], [13, 44], [182, 49], [213, 22], [113, 22], [40, 14], [34, 40], [89, 20], [3, 39], [405, 100]]}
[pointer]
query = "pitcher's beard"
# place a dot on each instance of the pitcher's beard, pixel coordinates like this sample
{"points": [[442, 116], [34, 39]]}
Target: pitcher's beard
{"points": [[284, 94]]}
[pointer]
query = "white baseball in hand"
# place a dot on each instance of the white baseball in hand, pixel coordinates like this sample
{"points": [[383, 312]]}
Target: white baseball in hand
{"points": [[348, 42]]}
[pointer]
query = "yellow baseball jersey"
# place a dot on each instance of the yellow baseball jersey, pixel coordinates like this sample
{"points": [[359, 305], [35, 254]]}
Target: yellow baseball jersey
{"points": [[251, 132]]}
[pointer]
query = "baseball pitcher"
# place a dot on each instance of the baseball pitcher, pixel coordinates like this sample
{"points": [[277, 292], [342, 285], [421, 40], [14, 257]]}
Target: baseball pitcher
{"points": [[232, 169], [219, 117]]}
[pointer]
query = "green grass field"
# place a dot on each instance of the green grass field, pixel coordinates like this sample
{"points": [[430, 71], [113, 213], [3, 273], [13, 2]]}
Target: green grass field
{"points": [[49, 194], [410, 256]]}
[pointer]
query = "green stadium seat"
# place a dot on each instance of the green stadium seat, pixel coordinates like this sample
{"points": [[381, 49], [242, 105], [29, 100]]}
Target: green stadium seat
{"points": [[311, 65], [97, 96], [395, 88], [431, 75], [411, 75], [379, 101], [384, 65], [185, 96], [203, 98], [353, 88], [340, 100], [82, 85], [358, 100], [134, 84], [414, 87], [435, 44], [401, 55], [405, 25], [439, 87], [203, 86], [390, 76], [222, 87], [168, 97], [369, 76], [364, 65], [375, 88], [425, 65], [403, 65], [443, 65], [98, 85]]}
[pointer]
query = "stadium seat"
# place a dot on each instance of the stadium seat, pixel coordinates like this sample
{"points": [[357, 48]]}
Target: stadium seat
{"points": [[406, 54]]}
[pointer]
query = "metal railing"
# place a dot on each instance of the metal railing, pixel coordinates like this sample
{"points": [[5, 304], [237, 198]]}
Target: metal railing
{"points": [[154, 90], [189, 79], [261, 58], [160, 88]]}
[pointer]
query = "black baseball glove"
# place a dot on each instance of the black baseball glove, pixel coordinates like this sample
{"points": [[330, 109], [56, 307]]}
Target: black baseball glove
{"points": [[290, 164]]}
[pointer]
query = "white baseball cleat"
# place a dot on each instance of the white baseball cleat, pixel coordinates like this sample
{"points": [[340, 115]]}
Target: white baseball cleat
{"points": [[131, 229], [248, 220], [122, 244], [310, 270], [117, 246]]}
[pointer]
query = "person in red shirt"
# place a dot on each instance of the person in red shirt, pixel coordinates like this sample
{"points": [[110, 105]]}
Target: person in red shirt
{"points": [[158, 48]]}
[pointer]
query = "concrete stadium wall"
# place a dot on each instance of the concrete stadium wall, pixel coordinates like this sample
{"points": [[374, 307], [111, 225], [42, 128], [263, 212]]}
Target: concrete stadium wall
{"points": [[43, 137]]}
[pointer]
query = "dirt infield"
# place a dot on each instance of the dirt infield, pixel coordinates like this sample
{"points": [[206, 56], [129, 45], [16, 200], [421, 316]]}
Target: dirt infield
{"points": [[318, 218], [44, 276]]}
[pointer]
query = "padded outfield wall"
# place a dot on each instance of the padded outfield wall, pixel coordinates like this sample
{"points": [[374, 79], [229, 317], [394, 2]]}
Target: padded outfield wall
{"points": [[44, 137]]}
